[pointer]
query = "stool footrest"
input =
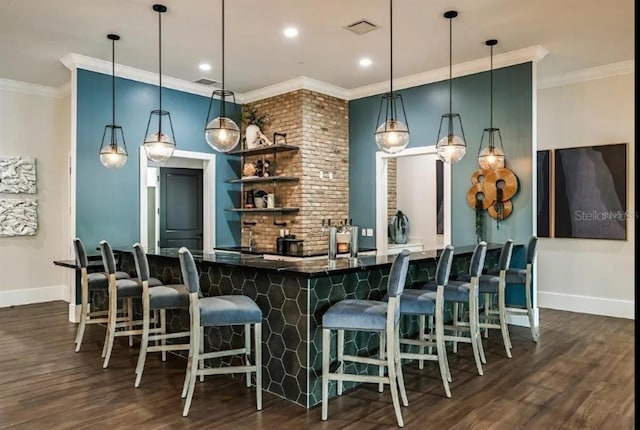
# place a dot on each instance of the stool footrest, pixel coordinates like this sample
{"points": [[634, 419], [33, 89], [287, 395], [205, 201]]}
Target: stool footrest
{"points": [[415, 356], [159, 348], [169, 336], [226, 370], [418, 342], [364, 360], [358, 378], [218, 354]]}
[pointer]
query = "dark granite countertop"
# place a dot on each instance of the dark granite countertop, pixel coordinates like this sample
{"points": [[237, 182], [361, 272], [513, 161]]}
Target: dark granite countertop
{"points": [[312, 268], [262, 251]]}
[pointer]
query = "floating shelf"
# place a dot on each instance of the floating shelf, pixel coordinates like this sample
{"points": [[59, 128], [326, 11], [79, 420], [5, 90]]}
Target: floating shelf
{"points": [[263, 150], [259, 180], [269, 210]]}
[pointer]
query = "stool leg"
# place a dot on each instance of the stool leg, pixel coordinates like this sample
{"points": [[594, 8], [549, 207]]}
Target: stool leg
{"points": [[193, 373], [142, 357], [487, 309], [247, 352], [130, 318], [421, 329], [111, 324], [393, 381], [431, 336], [474, 332], [455, 326], [84, 309], [326, 338], [535, 333], [340, 369], [442, 352], [503, 320], [381, 355], [163, 330], [399, 375], [201, 363], [258, 359]]}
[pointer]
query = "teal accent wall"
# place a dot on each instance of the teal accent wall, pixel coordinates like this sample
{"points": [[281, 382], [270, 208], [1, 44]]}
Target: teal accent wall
{"points": [[425, 104], [107, 201]]}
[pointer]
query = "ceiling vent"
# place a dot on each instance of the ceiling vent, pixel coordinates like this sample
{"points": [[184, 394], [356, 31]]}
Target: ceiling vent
{"points": [[206, 81], [361, 27]]}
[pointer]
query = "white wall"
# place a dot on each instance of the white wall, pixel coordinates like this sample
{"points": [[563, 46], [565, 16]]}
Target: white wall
{"points": [[37, 126], [416, 197], [582, 275]]}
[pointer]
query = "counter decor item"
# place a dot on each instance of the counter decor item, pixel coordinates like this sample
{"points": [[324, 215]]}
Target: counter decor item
{"points": [[249, 200], [254, 123], [399, 228], [17, 175], [249, 170]]}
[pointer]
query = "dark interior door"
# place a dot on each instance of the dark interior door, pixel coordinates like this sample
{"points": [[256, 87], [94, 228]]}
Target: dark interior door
{"points": [[181, 208]]}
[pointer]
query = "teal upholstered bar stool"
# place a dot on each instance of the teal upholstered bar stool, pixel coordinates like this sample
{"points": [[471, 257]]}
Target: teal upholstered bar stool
{"points": [[90, 282], [157, 299], [425, 303], [516, 278], [217, 311], [368, 315], [466, 293], [125, 290], [494, 286]]}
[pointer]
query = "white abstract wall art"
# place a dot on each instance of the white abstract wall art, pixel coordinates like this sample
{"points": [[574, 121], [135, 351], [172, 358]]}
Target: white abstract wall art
{"points": [[18, 217], [17, 175]]}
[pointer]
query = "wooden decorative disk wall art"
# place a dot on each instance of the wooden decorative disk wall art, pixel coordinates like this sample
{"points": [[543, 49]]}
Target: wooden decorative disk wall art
{"points": [[476, 192], [495, 209], [500, 181]]}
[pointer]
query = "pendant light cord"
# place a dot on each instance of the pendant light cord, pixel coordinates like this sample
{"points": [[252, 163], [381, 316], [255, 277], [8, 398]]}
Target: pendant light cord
{"points": [[390, 46], [160, 56], [223, 47], [113, 91], [491, 86], [450, 62]]}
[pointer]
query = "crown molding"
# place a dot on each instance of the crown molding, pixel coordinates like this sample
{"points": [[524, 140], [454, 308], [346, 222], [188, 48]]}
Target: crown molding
{"points": [[525, 55], [299, 83], [74, 61], [592, 73], [31, 89]]}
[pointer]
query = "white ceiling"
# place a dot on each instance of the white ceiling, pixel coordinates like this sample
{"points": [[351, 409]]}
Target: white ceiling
{"points": [[35, 34]]}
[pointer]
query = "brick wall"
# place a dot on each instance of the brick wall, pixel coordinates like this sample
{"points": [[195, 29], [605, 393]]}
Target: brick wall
{"points": [[319, 125]]}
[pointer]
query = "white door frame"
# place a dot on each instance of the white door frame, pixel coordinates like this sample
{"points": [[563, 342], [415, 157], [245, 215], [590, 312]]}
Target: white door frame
{"points": [[208, 196], [382, 193]]}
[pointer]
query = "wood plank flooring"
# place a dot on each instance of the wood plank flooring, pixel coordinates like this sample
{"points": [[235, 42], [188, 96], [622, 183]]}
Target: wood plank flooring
{"points": [[579, 376]]}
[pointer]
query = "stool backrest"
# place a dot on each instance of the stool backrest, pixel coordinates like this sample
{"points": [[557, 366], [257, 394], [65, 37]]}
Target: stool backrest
{"points": [[142, 265], [398, 274], [444, 266], [108, 260], [189, 271], [81, 253], [477, 259], [531, 249], [505, 255]]}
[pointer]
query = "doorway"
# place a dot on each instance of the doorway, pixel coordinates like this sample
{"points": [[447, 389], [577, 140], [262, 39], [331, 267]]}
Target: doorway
{"points": [[424, 160], [184, 213]]}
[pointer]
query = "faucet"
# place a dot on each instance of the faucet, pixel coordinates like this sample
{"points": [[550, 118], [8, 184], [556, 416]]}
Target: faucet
{"points": [[247, 226]]}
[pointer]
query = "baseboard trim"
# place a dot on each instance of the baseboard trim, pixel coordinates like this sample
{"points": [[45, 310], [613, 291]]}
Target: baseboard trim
{"points": [[523, 320], [587, 304], [74, 313], [34, 295]]}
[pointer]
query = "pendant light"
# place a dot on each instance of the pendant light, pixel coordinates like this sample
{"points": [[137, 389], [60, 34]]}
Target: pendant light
{"points": [[491, 157], [113, 150], [392, 136], [159, 145], [451, 147], [222, 133]]}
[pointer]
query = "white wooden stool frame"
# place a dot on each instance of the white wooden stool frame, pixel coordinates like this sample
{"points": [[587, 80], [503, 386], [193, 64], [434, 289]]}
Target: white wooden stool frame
{"points": [[535, 330], [392, 362], [497, 319], [195, 363]]}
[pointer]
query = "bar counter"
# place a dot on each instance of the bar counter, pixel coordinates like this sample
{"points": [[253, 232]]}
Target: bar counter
{"points": [[293, 296]]}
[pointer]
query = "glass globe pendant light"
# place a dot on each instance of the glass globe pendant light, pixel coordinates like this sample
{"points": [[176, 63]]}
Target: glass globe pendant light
{"points": [[491, 157], [222, 133], [392, 136], [113, 155], [451, 147], [159, 145]]}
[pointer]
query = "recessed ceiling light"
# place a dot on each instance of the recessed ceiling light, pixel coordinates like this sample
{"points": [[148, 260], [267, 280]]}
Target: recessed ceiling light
{"points": [[365, 62], [290, 32], [205, 67]]}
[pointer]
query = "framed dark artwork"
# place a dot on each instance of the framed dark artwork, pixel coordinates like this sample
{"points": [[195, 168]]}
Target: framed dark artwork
{"points": [[543, 171], [440, 197], [591, 192]]}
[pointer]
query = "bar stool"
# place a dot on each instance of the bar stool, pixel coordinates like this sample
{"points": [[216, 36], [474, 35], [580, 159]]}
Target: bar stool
{"points": [[429, 303], [460, 292], [157, 299], [127, 290], [368, 315], [219, 311], [491, 286], [90, 282], [522, 277]]}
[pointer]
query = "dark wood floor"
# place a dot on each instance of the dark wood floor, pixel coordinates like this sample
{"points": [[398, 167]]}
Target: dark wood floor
{"points": [[579, 376]]}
